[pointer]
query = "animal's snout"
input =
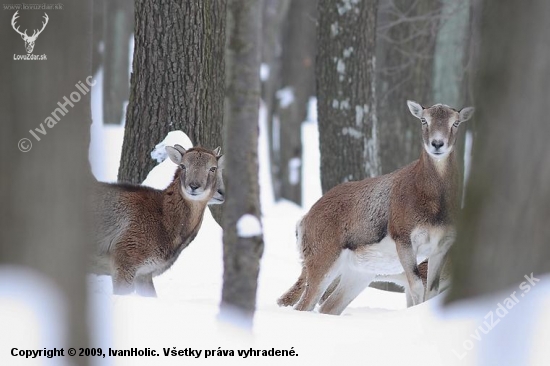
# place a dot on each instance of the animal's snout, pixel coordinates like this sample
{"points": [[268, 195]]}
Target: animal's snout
{"points": [[437, 144], [194, 186]]}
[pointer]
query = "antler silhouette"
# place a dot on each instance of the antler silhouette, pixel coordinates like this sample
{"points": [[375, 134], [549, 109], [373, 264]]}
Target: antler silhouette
{"points": [[24, 34], [35, 34], [15, 16]]}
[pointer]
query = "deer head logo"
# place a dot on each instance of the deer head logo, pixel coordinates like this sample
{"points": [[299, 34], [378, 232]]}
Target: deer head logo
{"points": [[29, 41]]}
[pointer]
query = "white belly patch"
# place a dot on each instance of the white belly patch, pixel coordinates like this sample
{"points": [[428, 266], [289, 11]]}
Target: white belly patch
{"points": [[382, 259]]}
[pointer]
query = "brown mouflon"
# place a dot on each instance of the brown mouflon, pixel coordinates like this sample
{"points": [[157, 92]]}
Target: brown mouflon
{"points": [[141, 231], [382, 227]]}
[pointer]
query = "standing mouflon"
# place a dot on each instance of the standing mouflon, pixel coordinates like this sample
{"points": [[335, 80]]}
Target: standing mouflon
{"points": [[384, 226], [141, 231]]}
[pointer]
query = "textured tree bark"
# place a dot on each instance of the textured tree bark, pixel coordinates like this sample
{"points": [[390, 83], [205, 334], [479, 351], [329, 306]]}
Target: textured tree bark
{"points": [[119, 25], [44, 216], [504, 231], [177, 81], [346, 91], [242, 253], [405, 49], [298, 78]]}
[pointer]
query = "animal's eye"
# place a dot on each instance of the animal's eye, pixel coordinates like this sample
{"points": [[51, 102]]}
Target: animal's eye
{"points": [[183, 167], [456, 124], [423, 120], [213, 169]]}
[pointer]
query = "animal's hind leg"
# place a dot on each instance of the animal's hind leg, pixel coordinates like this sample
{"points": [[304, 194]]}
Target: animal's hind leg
{"points": [[319, 275], [293, 294], [351, 284], [329, 290], [145, 286]]}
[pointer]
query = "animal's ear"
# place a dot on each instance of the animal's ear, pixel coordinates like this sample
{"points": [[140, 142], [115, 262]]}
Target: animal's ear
{"points": [[221, 162], [217, 151], [174, 154], [180, 148], [415, 108], [466, 113]]}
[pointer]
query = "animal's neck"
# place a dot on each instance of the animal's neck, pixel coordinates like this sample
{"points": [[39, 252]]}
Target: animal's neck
{"points": [[444, 168], [185, 215], [437, 176]]}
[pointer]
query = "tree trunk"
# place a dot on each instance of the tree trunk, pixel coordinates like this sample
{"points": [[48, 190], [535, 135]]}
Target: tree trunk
{"points": [[119, 25], [405, 49], [345, 90], [298, 81], [504, 232], [242, 251], [177, 81], [451, 53], [274, 15], [45, 223]]}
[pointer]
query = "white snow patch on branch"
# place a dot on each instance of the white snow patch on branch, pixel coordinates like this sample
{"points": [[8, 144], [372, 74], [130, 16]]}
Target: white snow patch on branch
{"points": [[359, 113], [334, 29], [173, 138], [285, 96], [352, 132], [346, 6], [348, 51], [249, 226], [162, 175], [341, 68], [344, 104]]}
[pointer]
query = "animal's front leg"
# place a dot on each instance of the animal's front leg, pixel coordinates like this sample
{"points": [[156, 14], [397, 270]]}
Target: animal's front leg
{"points": [[435, 266], [145, 286], [123, 283], [123, 272], [407, 257]]}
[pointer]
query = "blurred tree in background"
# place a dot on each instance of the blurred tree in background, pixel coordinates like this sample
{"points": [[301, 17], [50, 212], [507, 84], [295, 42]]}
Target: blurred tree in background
{"points": [[242, 251], [346, 100], [45, 213], [504, 232]]}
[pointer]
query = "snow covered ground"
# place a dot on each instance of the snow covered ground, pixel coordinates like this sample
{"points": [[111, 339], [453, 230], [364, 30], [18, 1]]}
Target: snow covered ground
{"points": [[376, 329]]}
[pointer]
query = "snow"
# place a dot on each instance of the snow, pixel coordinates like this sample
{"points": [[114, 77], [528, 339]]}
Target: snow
{"points": [[359, 114], [264, 72], [468, 142], [294, 165], [341, 68], [285, 96], [352, 132], [249, 226], [348, 51], [174, 137], [31, 308], [161, 175], [334, 29], [311, 158]]}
